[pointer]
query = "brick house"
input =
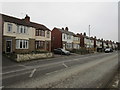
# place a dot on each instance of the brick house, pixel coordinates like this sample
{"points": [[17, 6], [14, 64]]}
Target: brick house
{"points": [[109, 44], [86, 42], [62, 38], [81, 40], [22, 35], [99, 45]]}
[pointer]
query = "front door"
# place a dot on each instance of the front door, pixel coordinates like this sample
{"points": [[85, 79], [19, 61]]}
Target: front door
{"points": [[8, 46]]}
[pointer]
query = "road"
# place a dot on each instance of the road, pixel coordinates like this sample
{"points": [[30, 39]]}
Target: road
{"points": [[76, 71]]}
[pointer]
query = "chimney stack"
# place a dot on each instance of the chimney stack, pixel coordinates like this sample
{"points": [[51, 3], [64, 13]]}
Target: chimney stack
{"points": [[78, 34], [66, 28], [62, 28], [27, 18], [84, 34]]}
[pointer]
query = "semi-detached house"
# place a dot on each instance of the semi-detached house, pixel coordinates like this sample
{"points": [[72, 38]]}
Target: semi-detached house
{"points": [[21, 35], [62, 38]]}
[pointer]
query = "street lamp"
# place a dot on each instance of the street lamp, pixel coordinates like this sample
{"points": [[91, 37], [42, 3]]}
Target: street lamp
{"points": [[89, 38]]}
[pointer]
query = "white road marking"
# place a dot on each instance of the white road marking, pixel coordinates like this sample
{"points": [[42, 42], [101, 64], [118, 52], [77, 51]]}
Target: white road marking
{"points": [[64, 65], [51, 72], [1, 87], [33, 71]]}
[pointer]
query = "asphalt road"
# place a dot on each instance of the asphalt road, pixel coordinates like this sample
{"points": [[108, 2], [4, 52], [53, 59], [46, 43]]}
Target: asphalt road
{"points": [[75, 71]]}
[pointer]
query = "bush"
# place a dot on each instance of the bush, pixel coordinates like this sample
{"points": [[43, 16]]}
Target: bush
{"points": [[80, 51]]}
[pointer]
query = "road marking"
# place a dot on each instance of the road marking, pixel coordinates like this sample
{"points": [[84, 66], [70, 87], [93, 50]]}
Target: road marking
{"points": [[1, 87], [33, 71], [64, 65], [51, 72]]}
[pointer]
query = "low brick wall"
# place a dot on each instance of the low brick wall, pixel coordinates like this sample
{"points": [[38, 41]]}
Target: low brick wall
{"points": [[25, 57]]}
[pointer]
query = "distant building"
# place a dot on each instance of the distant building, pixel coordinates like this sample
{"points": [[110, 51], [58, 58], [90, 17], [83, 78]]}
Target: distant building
{"points": [[86, 42]]}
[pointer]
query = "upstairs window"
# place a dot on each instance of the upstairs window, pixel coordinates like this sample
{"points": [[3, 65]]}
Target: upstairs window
{"points": [[48, 34], [22, 29], [9, 27], [40, 33]]}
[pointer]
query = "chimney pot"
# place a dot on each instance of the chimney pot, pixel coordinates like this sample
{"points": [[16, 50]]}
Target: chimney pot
{"points": [[66, 28]]}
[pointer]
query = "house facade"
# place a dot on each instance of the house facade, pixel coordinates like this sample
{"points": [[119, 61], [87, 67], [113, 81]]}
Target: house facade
{"points": [[62, 38], [20, 35], [105, 44], [99, 44], [86, 42], [76, 42]]}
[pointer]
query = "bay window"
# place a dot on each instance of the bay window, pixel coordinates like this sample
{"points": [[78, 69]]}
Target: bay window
{"points": [[21, 44]]}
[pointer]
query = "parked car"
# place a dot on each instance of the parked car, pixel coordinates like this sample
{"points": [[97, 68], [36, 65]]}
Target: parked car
{"points": [[61, 51], [107, 50]]}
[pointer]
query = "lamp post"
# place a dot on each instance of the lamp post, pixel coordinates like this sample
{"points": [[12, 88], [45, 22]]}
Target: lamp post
{"points": [[89, 38]]}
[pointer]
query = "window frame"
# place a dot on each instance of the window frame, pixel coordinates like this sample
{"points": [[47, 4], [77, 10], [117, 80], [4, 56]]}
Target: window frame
{"points": [[22, 29], [9, 27], [22, 44], [39, 44]]}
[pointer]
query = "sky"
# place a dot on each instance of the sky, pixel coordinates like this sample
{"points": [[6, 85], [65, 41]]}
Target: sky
{"points": [[77, 16]]}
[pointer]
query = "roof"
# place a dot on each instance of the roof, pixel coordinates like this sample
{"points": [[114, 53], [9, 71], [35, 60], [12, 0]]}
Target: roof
{"points": [[23, 22], [65, 31]]}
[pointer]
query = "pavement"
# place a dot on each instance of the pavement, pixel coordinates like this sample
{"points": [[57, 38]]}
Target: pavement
{"points": [[42, 72]]}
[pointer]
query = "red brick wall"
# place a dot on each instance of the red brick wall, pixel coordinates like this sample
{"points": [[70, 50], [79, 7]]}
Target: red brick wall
{"points": [[81, 41], [56, 39]]}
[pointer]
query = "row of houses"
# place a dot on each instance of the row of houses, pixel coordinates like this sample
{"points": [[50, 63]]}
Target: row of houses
{"points": [[22, 35], [63, 38]]}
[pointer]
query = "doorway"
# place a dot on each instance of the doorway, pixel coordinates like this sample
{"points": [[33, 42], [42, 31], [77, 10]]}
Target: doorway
{"points": [[8, 46]]}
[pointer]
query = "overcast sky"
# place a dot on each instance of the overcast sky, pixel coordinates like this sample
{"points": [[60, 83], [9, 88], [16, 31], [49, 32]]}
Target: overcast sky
{"points": [[102, 16]]}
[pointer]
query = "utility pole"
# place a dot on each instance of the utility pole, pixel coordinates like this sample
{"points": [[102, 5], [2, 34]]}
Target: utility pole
{"points": [[89, 38]]}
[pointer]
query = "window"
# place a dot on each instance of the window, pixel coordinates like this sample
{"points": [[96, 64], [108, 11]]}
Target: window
{"points": [[64, 36], [43, 33], [69, 37], [22, 29], [40, 44], [40, 33], [48, 34], [9, 27], [21, 44]]}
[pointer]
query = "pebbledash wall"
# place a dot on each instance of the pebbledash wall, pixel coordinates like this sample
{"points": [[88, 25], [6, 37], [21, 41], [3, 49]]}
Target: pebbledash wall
{"points": [[11, 38]]}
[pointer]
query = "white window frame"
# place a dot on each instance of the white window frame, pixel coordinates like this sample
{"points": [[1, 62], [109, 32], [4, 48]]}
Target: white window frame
{"points": [[26, 42], [24, 29]]}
